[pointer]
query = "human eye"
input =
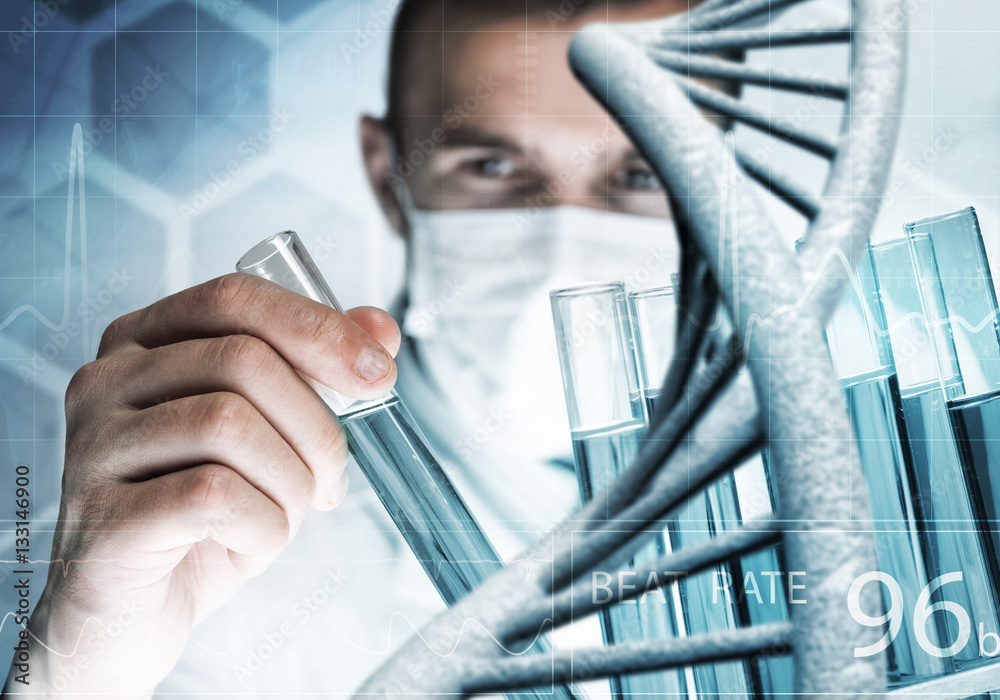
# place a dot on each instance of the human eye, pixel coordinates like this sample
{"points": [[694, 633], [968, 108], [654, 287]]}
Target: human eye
{"points": [[492, 167], [637, 178]]}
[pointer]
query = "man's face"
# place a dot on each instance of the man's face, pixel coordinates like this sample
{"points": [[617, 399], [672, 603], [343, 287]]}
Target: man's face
{"points": [[494, 118]]}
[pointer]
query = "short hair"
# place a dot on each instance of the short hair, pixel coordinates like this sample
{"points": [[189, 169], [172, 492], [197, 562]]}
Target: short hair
{"points": [[420, 16]]}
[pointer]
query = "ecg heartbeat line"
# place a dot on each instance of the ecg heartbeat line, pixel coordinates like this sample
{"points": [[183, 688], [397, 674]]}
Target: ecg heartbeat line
{"points": [[730, 185], [76, 176], [397, 619]]}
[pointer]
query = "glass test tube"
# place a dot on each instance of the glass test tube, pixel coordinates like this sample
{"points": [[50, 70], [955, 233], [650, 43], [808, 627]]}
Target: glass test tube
{"points": [[395, 458], [711, 601], [862, 358], [970, 301], [607, 423], [944, 506]]}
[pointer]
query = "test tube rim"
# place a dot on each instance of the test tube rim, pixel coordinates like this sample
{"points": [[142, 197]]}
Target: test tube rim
{"points": [[653, 292], [286, 238], [587, 288], [891, 243], [940, 218]]}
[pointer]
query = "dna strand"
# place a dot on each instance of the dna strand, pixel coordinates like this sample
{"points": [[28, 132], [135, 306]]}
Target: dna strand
{"points": [[654, 78]]}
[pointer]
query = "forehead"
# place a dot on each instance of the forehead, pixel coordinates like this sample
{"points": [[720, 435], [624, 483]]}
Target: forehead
{"points": [[491, 72], [527, 64]]}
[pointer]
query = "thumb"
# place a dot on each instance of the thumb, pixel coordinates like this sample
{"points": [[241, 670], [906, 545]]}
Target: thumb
{"points": [[379, 325]]}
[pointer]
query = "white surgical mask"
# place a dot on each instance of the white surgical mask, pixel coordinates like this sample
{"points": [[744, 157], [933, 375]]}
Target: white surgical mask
{"points": [[481, 322]]}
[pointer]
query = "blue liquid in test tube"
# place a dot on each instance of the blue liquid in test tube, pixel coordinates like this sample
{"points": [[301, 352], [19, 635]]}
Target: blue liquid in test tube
{"points": [[945, 502], [395, 458], [955, 242], [862, 358], [737, 593], [608, 426]]}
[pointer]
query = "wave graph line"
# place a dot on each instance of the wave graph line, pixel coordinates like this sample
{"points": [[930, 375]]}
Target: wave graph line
{"points": [[77, 176]]}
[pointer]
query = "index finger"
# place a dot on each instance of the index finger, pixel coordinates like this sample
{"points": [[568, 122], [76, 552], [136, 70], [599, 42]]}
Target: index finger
{"points": [[315, 339]]}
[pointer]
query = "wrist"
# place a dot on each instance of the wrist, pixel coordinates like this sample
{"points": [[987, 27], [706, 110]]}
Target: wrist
{"points": [[64, 653]]}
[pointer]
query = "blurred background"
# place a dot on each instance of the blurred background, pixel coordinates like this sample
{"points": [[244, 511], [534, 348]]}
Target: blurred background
{"points": [[206, 125]]}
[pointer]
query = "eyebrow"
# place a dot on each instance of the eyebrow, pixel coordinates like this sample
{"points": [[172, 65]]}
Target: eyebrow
{"points": [[465, 136], [634, 154]]}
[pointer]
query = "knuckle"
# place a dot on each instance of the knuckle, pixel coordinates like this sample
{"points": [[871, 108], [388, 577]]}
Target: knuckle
{"points": [[223, 418], [245, 356], [209, 488], [290, 481], [117, 331], [81, 382], [83, 385], [226, 294]]}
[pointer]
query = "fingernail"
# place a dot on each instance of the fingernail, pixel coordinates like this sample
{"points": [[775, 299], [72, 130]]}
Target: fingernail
{"points": [[338, 490], [373, 364]]}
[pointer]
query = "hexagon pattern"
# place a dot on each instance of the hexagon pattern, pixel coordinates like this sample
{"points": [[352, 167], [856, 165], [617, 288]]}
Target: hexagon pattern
{"points": [[193, 119]]}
